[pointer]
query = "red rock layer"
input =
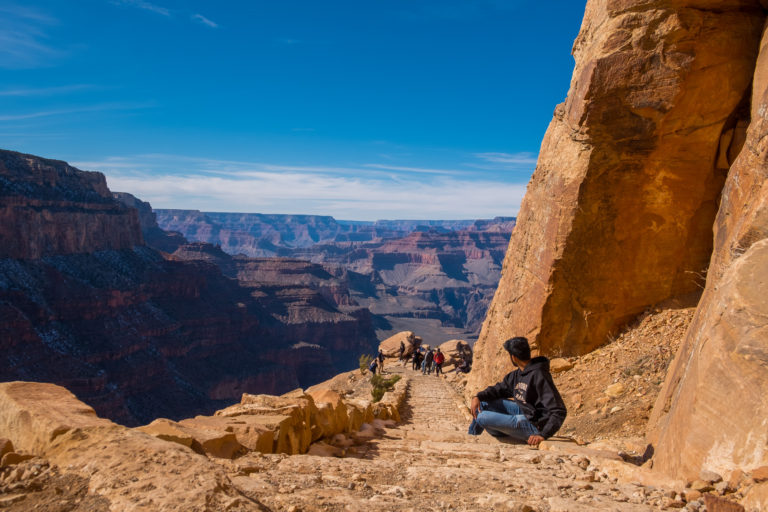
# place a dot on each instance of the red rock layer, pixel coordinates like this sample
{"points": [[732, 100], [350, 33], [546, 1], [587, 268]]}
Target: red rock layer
{"points": [[48, 207]]}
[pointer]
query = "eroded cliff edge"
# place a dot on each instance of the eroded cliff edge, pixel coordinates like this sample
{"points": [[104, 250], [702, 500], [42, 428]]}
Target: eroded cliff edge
{"points": [[619, 217]]}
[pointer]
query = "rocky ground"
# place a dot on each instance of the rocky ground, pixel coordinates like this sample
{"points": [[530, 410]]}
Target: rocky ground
{"points": [[425, 463]]}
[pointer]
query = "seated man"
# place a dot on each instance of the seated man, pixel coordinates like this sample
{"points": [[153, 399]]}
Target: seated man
{"points": [[535, 409]]}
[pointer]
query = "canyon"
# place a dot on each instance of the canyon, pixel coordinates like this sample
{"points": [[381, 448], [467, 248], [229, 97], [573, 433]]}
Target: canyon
{"points": [[85, 303], [432, 276]]}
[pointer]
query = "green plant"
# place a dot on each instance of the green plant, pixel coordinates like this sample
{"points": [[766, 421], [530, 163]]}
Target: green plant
{"points": [[364, 360], [382, 385]]}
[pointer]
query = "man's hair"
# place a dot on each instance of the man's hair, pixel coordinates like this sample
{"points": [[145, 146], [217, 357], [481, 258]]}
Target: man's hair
{"points": [[518, 347]]}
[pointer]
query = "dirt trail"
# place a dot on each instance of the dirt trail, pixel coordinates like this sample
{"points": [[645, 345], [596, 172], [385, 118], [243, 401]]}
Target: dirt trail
{"points": [[429, 463]]}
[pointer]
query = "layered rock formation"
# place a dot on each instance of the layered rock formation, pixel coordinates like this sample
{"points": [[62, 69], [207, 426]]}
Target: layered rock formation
{"points": [[49, 208], [618, 217], [265, 235], [435, 277]]}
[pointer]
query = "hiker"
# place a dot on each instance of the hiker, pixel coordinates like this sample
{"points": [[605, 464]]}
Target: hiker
{"points": [[401, 351], [428, 361], [438, 360], [417, 358], [380, 357], [525, 405], [463, 366], [372, 366]]}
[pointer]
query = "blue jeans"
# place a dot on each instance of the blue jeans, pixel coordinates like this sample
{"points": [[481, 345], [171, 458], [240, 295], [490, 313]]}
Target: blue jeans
{"points": [[503, 418]]}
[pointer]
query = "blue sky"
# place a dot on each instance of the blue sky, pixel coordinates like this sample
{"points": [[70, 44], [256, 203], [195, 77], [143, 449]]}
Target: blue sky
{"points": [[360, 109]]}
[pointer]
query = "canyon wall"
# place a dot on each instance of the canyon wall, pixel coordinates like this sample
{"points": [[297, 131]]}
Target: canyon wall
{"points": [[435, 277], [619, 214], [48, 207]]}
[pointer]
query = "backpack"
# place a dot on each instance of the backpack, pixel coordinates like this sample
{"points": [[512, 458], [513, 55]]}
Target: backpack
{"points": [[439, 358]]}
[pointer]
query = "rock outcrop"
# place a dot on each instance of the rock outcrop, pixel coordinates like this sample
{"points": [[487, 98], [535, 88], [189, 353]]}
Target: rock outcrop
{"points": [[50, 208], [618, 218], [618, 214], [714, 404]]}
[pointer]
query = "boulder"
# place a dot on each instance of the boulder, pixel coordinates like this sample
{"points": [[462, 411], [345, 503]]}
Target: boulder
{"points": [[391, 346], [120, 464], [454, 350], [12, 458], [168, 430], [338, 421], [559, 364], [5, 446]]}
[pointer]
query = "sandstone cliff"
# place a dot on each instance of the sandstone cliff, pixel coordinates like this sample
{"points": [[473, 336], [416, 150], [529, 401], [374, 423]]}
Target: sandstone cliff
{"points": [[618, 217]]}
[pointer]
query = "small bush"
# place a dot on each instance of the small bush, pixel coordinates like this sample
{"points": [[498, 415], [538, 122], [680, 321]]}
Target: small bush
{"points": [[364, 360], [382, 385]]}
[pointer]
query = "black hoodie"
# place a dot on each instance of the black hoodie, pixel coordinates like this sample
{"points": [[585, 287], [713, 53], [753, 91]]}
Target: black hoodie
{"points": [[535, 392]]}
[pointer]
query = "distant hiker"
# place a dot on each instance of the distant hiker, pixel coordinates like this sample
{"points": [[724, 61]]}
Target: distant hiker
{"points": [[380, 357], [373, 365], [417, 358], [428, 361], [463, 366], [438, 359], [525, 405], [401, 351]]}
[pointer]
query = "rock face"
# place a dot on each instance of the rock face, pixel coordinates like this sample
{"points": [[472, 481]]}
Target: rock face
{"points": [[713, 405], [638, 164], [619, 212], [166, 241], [49, 208]]}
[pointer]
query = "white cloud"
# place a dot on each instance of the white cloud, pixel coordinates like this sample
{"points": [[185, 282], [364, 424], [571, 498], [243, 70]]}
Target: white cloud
{"points": [[147, 6], [205, 21], [420, 170], [46, 91], [77, 110], [342, 197], [508, 158]]}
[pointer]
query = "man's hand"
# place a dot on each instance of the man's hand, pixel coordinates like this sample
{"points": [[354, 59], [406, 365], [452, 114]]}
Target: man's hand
{"points": [[474, 407], [535, 440]]}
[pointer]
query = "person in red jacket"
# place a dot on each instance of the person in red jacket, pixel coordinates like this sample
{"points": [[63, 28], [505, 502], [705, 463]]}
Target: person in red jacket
{"points": [[439, 359], [526, 405]]}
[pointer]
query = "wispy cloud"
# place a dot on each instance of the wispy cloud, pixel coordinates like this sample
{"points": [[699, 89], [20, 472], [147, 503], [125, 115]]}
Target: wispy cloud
{"points": [[24, 39], [419, 170], [147, 6], [75, 110], [205, 21], [166, 12], [46, 91], [508, 158], [342, 197], [344, 192]]}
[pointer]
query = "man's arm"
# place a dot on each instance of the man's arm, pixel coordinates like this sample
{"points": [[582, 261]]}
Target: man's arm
{"points": [[503, 389]]}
